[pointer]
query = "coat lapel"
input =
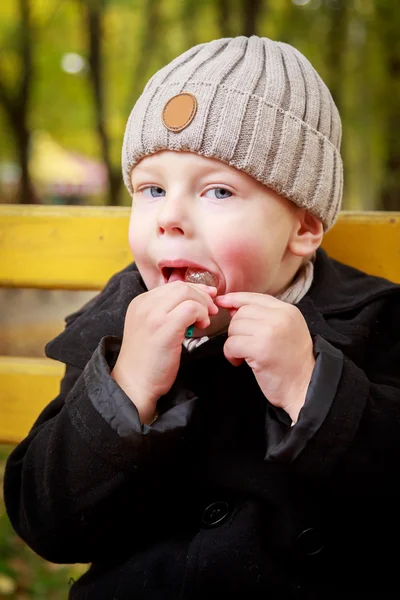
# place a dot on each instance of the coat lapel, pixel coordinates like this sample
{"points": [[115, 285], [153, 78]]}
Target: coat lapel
{"points": [[104, 315]]}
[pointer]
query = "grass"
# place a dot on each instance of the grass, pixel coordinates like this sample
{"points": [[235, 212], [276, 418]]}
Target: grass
{"points": [[23, 574]]}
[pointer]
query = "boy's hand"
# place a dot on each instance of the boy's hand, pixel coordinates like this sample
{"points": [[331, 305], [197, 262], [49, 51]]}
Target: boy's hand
{"points": [[155, 327], [273, 338]]}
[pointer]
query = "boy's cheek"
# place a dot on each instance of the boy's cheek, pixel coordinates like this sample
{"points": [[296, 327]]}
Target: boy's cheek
{"points": [[243, 264], [136, 239], [137, 245]]}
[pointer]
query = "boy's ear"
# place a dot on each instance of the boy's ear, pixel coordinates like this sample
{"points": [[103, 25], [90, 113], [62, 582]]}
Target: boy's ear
{"points": [[307, 234]]}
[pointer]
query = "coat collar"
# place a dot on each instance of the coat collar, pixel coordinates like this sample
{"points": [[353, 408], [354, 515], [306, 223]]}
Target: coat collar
{"points": [[104, 315], [336, 288]]}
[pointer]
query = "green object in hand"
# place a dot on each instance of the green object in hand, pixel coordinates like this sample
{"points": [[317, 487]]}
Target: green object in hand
{"points": [[189, 331]]}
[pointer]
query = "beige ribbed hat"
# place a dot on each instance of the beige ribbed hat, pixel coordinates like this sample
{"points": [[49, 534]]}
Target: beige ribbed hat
{"points": [[255, 104]]}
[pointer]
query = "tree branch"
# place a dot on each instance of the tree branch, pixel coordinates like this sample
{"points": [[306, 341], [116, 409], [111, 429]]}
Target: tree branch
{"points": [[190, 10], [94, 15], [6, 99], [336, 47], [224, 11], [150, 27], [251, 10], [26, 56], [16, 105]]}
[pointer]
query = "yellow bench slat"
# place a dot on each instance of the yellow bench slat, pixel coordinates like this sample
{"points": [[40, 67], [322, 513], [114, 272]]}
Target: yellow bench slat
{"points": [[27, 385], [369, 241], [65, 247], [62, 247]]}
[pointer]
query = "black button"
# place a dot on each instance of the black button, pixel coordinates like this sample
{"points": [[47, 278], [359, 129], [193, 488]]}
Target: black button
{"points": [[215, 514], [309, 542]]}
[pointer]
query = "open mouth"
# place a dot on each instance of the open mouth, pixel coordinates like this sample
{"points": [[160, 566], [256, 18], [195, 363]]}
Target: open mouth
{"points": [[174, 273], [189, 274]]}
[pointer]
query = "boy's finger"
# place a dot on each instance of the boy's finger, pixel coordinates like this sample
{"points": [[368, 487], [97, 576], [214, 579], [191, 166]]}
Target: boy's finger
{"points": [[253, 312], [212, 307], [186, 314], [238, 299], [238, 348], [245, 327], [175, 293], [236, 362], [210, 289], [210, 292]]}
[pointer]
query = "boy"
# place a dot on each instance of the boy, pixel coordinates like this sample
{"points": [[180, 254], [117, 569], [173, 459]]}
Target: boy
{"points": [[256, 459]]}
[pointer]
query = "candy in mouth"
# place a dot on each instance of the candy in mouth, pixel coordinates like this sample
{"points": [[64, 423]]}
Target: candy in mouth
{"points": [[193, 275], [200, 276]]}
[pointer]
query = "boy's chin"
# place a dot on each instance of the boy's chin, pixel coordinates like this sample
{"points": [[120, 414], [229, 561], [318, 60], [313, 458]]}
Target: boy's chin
{"points": [[219, 324]]}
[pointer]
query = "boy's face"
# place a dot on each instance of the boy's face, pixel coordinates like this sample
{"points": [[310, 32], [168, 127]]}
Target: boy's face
{"points": [[190, 208]]}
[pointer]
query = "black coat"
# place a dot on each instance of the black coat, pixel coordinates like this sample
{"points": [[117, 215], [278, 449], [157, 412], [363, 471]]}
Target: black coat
{"points": [[220, 494]]}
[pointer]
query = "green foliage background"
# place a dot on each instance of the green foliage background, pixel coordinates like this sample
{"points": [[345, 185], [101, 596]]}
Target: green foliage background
{"points": [[354, 44]]}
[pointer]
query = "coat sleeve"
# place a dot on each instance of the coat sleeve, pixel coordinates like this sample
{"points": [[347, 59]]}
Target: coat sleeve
{"points": [[286, 440], [356, 450], [78, 482]]}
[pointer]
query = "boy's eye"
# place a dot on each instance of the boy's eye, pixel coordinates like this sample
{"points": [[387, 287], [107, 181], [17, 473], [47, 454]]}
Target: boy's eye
{"points": [[153, 192], [219, 193]]}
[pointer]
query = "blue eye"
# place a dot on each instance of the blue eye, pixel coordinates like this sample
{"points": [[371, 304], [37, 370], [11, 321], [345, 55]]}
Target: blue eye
{"points": [[154, 192], [220, 193]]}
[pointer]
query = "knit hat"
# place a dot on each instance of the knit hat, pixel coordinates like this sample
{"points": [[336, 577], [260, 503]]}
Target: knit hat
{"points": [[255, 104]]}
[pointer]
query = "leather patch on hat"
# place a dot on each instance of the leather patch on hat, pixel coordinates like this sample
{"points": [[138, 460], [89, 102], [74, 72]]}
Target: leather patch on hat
{"points": [[179, 112]]}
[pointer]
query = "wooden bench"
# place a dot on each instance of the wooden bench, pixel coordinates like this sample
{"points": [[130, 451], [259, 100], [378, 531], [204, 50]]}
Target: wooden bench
{"points": [[79, 248]]}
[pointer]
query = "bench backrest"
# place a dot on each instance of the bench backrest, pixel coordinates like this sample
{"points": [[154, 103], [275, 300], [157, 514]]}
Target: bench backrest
{"points": [[79, 248]]}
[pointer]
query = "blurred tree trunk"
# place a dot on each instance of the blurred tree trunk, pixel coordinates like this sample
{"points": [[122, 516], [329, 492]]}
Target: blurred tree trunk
{"points": [[16, 104], [93, 14], [391, 184], [224, 17], [239, 17], [388, 23], [336, 46], [149, 29], [190, 11], [251, 10]]}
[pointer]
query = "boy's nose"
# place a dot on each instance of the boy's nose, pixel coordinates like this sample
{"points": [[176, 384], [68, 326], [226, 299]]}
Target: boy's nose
{"points": [[174, 219]]}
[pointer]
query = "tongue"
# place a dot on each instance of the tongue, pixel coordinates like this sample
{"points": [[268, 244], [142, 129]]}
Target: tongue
{"points": [[177, 274]]}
